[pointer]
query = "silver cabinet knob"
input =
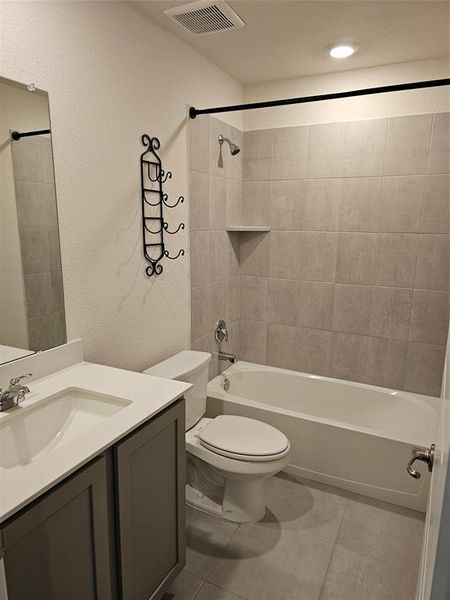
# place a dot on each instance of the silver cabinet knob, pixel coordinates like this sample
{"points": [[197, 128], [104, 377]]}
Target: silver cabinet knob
{"points": [[426, 456]]}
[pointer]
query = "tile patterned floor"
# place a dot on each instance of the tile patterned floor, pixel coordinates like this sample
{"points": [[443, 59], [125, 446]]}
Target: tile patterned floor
{"points": [[316, 543]]}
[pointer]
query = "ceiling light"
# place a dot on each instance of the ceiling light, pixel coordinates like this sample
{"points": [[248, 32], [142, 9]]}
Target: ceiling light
{"points": [[342, 49]]}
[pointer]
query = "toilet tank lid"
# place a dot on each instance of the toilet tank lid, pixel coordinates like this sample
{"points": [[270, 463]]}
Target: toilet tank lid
{"points": [[180, 365]]}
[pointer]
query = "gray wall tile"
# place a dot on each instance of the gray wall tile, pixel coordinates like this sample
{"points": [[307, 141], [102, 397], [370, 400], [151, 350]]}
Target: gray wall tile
{"points": [[439, 161], [282, 346], [40, 250], [320, 205], [435, 217], [359, 204], [200, 311], [346, 355], [217, 304], [285, 208], [313, 351], [396, 259], [253, 301], [256, 203], [365, 143], [198, 144], [356, 258], [258, 154], [44, 293], [217, 203], [429, 323], [317, 255], [47, 331], [283, 301], [234, 163], [200, 258], [285, 254], [252, 339], [424, 367], [407, 145], [352, 308], [433, 262], [33, 160], [401, 203], [383, 363], [315, 304], [216, 128], [232, 298], [234, 200], [290, 153], [326, 150], [36, 205], [391, 312], [199, 200], [254, 254]]}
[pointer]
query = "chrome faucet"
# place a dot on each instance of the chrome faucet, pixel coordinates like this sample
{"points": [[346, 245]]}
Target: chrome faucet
{"points": [[232, 358], [15, 393]]}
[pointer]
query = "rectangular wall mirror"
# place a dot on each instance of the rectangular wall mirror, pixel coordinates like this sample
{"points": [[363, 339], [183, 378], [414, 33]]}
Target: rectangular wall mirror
{"points": [[32, 314]]}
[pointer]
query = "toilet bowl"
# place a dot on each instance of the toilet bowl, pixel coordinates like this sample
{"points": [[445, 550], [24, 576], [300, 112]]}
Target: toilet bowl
{"points": [[228, 457]]}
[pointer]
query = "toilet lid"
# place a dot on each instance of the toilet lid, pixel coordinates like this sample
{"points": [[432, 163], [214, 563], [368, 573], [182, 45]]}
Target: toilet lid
{"points": [[246, 439]]}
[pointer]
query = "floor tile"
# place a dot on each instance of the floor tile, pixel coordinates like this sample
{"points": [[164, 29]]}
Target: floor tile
{"points": [[212, 592], [269, 563], [303, 506], [382, 531], [206, 539], [353, 576], [185, 586]]}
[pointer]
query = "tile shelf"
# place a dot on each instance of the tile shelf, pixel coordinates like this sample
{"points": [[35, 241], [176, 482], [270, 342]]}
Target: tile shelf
{"points": [[244, 228]]}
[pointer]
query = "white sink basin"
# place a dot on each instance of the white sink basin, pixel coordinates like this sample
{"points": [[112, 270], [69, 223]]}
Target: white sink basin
{"points": [[28, 432]]}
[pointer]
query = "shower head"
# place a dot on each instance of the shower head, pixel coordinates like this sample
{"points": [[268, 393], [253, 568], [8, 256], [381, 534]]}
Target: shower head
{"points": [[234, 148]]}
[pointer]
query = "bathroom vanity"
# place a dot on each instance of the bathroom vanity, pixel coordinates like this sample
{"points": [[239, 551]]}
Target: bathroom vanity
{"points": [[92, 486]]}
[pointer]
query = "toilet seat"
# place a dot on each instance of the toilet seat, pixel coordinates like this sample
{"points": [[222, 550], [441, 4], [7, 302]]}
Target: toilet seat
{"points": [[243, 439]]}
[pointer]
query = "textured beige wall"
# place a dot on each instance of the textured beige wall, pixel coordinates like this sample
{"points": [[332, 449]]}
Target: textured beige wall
{"points": [[112, 76], [350, 109], [352, 281]]}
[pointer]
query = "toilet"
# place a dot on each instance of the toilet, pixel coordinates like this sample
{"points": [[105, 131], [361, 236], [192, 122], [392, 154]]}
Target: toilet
{"points": [[228, 457]]}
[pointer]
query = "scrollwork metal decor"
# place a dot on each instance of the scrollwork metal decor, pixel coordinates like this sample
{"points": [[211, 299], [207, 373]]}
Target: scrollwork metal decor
{"points": [[154, 199]]}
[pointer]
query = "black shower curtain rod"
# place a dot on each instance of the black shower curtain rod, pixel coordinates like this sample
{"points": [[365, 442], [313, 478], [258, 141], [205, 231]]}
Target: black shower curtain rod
{"points": [[16, 135], [417, 85]]}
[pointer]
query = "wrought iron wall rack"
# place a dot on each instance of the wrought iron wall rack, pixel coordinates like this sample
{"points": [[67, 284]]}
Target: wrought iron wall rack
{"points": [[154, 201]]}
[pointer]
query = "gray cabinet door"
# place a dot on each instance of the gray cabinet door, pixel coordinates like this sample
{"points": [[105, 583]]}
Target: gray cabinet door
{"points": [[149, 477], [60, 547]]}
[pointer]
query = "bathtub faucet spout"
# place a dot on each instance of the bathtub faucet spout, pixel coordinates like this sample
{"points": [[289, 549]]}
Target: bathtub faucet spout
{"points": [[232, 358]]}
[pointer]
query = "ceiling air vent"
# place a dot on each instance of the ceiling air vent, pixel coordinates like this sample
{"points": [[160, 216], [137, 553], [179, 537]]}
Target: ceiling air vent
{"points": [[205, 16]]}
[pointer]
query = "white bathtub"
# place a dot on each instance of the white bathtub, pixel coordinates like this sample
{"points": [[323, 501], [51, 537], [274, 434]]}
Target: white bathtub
{"points": [[354, 436]]}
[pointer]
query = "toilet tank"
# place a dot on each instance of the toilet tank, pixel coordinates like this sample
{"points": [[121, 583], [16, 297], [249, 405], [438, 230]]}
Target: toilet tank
{"points": [[192, 367]]}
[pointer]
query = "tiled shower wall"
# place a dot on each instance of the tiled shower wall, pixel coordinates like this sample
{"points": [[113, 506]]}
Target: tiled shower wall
{"points": [[352, 280], [214, 199], [39, 241]]}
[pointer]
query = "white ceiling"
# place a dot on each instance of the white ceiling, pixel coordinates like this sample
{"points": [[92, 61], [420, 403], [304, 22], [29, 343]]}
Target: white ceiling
{"points": [[284, 39]]}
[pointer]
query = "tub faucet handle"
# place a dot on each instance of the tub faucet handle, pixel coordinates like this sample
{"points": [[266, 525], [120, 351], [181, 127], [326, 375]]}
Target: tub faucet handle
{"points": [[221, 331]]}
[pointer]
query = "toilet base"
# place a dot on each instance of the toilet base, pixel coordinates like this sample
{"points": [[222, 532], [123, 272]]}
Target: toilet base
{"points": [[242, 501]]}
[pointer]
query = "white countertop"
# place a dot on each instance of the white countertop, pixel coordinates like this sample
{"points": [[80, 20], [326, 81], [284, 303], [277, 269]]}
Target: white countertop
{"points": [[148, 396]]}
